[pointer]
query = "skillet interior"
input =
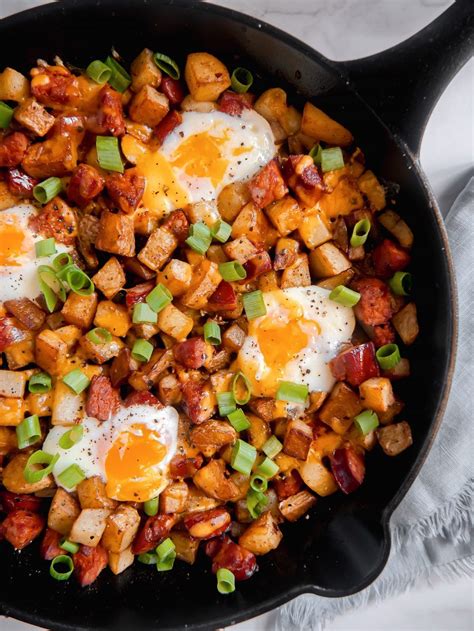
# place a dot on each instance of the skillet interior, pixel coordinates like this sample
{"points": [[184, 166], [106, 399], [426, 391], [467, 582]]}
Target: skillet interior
{"points": [[345, 543]]}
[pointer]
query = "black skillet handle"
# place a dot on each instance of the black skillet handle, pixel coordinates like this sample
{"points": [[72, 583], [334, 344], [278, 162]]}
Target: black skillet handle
{"points": [[404, 83]]}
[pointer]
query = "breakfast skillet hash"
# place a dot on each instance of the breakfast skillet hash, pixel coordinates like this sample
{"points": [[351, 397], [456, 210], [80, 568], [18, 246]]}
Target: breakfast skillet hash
{"points": [[203, 297]]}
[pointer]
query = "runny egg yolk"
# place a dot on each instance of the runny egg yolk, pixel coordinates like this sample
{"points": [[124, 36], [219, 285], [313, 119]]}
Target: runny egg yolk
{"points": [[132, 465], [13, 241], [200, 156]]}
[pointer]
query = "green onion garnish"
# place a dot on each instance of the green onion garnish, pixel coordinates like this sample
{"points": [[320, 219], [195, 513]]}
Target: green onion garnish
{"points": [[239, 383], [366, 421], [221, 230], [46, 190], [254, 304], [159, 297], [40, 383], [259, 483], [243, 456], [225, 581], [388, 356], [62, 261], [268, 468], [108, 153], [200, 237], [401, 283], [256, 502], [148, 558], [31, 473], [212, 333], [167, 65], [79, 281], [98, 72], [238, 420], [69, 546], [6, 113], [51, 287], [272, 447], [241, 80], [166, 552], [289, 391], [226, 403], [360, 233], [71, 437], [76, 380], [28, 432], [99, 335], [142, 350], [151, 507], [315, 153], [71, 476], [344, 296], [331, 159], [61, 559], [232, 270], [143, 313], [120, 79], [45, 247]]}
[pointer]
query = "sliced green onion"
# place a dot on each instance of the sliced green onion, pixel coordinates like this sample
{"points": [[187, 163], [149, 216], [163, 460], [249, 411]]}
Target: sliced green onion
{"points": [[241, 80], [254, 304], [225, 581], [272, 447], [6, 113], [331, 159], [360, 233], [143, 313], [62, 261], [226, 403], [108, 153], [151, 507], [98, 72], [232, 270], [99, 335], [315, 153], [28, 432], [69, 546], [221, 230], [200, 237], [76, 380], [61, 559], [46, 190], [31, 473], [401, 283], [159, 297], [366, 421], [167, 65], [268, 468], [388, 356], [120, 79], [148, 558], [259, 483], [142, 350], [79, 281], [40, 383], [51, 287], [344, 296], [238, 420], [239, 383], [289, 391], [166, 552], [212, 333], [71, 476], [71, 437], [243, 457], [45, 247], [256, 502]]}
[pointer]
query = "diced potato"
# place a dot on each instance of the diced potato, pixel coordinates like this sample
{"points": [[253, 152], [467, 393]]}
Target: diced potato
{"points": [[151, 372], [297, 274], [320, 126], [241, 250], [34, 117], [51, 351], [40, 403], [343, 278], [272, 105], [120, 561], [121, 528], [175, 323], [144, 71], [285, 214], [116, 234], [399, 228], [80, 310], [211, 479], [89, 526], [317, 476], [406, 323], [188, 104], [252, 223], [212, 435], [344, 199], [204, 211], [14, 480], [395, 438], [100, 353], [8, 440], [232, 199], [70, 335], [198, 502], [158, 249], [63, 512], [206, 76], [314, 228], [205, 280], [13, 85], [339, 409], [327, 260], [262, 536], [54, 157], [91, 493], [20, 354], [286, 463], [394, 410], [12, 411], [173, 498], [149, 106], [114, 317], [12, 384], [185, 545], [377, 394], [259, 431], [216, 254], [68, 407], [296, 505], [373, 190], [110, 278], [176, 276], [169, 390], [298, 439]]}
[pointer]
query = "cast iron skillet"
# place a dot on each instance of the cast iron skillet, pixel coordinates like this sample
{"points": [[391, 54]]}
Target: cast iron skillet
{"points": [[385, 101]]}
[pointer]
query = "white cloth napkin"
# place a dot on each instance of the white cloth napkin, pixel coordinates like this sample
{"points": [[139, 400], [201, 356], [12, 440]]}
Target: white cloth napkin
{"points": [[432, 526]]}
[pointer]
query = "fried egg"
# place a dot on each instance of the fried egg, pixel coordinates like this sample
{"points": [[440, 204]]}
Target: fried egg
{"points": [[130, 452], [18, 261], [295, 341], [200, 157]]}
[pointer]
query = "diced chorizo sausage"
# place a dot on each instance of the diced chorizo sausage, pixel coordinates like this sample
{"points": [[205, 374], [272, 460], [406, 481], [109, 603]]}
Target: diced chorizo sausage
{"points": [[57, 220], [304, 179], [166, 126], [234, 104], [194, 395], [192, 353], [374, 306], [268, 185], [177, 223], [154, 530], [141, 398], [19, 183], [224, 298], [70, 125], [348, 468], [172, 89], [125, 190], [356, 364], [138, 293], [182, 467], [382, 334], [208, 524], [13, 501], [389, 258], [21, 527], [13, 149], [54, 85], [89, 563], [50, 545], [85, 184], [103, 400], [257, 266], [109, 116], [288, 486], [227, 554]]}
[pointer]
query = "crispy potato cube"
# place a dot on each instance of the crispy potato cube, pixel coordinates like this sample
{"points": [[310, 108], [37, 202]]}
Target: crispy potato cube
{"points": [[173, 498], [205, 280], [149, 106], [20, 354], [50, 352], [14, 480], [343, 278], [327, 260], [320, 126], [176, 276], [69, 334], [233, 337], [188, 104], [205, 211], [377, 394], [54, 157], [63, 512], [116, 234], [8, 440], [295, 506], [252, 223], [340, 408], [121, 528], [101, 353], [12, 411], [262, 536], [186, 546], [211, 479], [80, 310], [259, 431], [113, 317], [395, 438], [12, 384], [241, 250], [297, 274], [158, 249], [314, 229], [68, 407], [13, 85], [198, 502], [169, 390], [373, 190], [298, 439], [268, 281], [120, 561], [89, 526], [232, 199], [272, 105], [40, 403], [206, 76], [286, 251], [91, 493], [344, 199], [399, 228], [144, 71], [394, 410], [175, 323], [285, 214], [34, 117], [406, 323], [317, 476], [110, 278]]}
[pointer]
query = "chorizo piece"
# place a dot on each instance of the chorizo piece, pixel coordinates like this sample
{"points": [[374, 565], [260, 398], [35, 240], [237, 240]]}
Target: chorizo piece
{"points": [[85, 184], [21, 527], [13, 149], [103, 400], [374, 306], [268, 185], [154, 530], [89, 563]]}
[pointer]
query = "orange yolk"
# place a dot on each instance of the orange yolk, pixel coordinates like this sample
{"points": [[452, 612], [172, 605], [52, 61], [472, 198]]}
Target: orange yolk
{"points": [[13, 241], [200, 156], [132, 465]]}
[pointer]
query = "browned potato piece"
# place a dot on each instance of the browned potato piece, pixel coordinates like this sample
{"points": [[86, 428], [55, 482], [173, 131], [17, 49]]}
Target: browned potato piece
{"points": [[80, 310], [314, 229], [286, 251], [377, 394], [13, 85], [284, 120], [116, 234], [406, 323], [56, 156], [262, 536], [158, 249], [340, 408], [214, 434], [14, 480], [395, 438], [297, 274], [206, 76], [258, 432], [144, 71], [343, 278], [328, 260], [233, 337], [113, 317], [252, 223], [298, 439], [8, 440], [50, 352], [121, 528], [173, 498], [12, 384], [68, 407], [175, 323], [203, 211], [313, 472], [149, 106], [91, 494], [100, 353], [241, 250], [198, 502], [20, 354], [186, 546], [297, 505], [188, 104], [345, 198], [212, 481], [110, 278], [400, 230], [120, 561], [232, 199], [89, 526], [373, 190], [169, 390], [320, 126], [63, 512], [69, 334], [176, 276], [34, 117], [285, 214], [205, 280]]}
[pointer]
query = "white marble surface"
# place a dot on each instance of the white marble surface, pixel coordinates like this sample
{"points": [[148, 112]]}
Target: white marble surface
{"points": [[347, 29]]}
